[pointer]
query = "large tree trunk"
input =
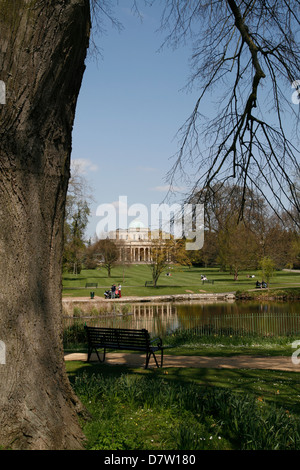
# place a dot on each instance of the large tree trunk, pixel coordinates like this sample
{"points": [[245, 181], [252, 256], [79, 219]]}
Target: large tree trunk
{"points": [[42, 52]]}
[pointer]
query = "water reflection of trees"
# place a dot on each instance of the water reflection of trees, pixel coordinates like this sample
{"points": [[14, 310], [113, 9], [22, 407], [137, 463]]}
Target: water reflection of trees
{"points": [[266, 318]]}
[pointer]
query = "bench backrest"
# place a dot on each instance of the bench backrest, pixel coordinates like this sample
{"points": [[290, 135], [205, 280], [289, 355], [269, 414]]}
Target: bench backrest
{"points": [[120, 338]]}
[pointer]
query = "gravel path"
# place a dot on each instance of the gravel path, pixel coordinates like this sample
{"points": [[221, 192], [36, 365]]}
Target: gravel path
{"points": [[234, 362]]}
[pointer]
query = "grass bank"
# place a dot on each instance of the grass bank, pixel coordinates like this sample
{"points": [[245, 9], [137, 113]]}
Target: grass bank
{"points": [[187, 409], [192, 408], [287, 293], [182, 281]]}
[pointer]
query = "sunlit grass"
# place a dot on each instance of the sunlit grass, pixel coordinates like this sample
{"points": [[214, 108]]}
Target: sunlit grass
{"points": [[182, 280], [187, 409]]}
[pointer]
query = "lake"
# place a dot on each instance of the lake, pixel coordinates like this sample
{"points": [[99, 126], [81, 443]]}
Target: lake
{"points": [[236, 317]]}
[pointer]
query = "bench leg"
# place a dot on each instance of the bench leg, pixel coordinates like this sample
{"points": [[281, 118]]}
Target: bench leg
{"points": [[148, 355], [89, 354], [103, 358], [147, 360], [90, 350]]}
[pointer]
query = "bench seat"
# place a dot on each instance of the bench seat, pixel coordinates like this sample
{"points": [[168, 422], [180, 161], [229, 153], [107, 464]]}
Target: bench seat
{"points": [[123, 339]]}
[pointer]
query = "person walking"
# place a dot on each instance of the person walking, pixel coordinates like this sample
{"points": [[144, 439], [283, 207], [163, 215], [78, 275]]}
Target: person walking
{"points": [[113, 291], [119, 290]]}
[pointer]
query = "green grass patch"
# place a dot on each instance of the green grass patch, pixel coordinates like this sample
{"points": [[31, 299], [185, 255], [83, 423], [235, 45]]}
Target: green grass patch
{"points": [[185, 343], [187, 409], [286, 293], [181, 281]]}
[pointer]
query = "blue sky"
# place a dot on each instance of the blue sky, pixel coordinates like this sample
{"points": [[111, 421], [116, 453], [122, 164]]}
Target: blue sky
{"points": [[130, 107]]}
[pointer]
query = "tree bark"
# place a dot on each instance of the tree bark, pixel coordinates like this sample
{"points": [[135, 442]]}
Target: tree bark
{"points": [[42, 52]]}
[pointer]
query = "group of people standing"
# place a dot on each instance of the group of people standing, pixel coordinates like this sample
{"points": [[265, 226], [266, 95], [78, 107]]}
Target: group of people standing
{"points": [[116, 291]]}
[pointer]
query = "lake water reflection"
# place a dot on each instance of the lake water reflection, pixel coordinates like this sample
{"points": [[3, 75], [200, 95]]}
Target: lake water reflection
{"points": [[267, 318]]}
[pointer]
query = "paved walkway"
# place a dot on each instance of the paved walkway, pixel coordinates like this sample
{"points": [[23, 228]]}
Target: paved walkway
{"points": [[234, 362]]}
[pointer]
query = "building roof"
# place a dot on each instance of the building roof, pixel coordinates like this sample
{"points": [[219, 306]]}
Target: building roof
{"points": [[136, 224]]}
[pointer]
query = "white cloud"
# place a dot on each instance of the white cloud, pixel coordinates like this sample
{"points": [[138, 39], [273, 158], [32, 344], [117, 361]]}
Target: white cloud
{"points": [[83, 166]]}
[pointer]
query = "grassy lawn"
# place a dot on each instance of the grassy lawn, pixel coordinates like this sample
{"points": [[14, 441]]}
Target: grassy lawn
{"points": [[181, 281], [185, 344], [280, 387], [187, 408]]}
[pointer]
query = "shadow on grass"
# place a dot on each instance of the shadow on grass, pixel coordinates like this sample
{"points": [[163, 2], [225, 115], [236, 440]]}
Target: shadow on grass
{"points": [[278, 387]]}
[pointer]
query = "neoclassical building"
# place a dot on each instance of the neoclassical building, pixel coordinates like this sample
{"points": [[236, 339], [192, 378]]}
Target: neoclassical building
{"points": [[134, 243]]}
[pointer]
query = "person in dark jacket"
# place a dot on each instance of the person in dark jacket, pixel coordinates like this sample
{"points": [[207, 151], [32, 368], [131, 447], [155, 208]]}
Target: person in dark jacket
{"points": [[113, 291]]}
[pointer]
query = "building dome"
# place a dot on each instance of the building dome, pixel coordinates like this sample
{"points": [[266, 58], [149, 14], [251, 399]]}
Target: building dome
{"points": [[136, 224]]}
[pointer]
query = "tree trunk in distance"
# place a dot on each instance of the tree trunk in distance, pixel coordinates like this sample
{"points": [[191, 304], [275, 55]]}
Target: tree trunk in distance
{"points": [[42, 52]]}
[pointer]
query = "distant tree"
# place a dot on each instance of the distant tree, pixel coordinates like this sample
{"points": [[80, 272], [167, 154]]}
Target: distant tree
{"points": [[77, 213], [295, 253], [210, 248], [276, 241], [166, 252], [267, 266], [237, 248], [103, 253], [74, 240]]}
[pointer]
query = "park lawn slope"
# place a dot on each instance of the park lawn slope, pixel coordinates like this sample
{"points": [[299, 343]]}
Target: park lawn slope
{"points": [[183, 280]]}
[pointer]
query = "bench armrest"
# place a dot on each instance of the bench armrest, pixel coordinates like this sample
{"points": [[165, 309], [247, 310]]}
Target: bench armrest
{"points": [[157, 340]]}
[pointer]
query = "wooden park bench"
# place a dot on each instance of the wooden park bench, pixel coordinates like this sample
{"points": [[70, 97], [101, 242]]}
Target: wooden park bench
{"points": [[149, 283], [91, 284], [123, 339], [208, 280]]}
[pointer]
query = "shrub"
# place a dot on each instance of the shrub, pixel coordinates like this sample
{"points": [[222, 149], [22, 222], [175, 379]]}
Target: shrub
{"points": [[74, 335]]}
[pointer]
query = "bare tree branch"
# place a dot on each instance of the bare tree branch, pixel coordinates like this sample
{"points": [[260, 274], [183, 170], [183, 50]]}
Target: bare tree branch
{"points": [[250, 51]]}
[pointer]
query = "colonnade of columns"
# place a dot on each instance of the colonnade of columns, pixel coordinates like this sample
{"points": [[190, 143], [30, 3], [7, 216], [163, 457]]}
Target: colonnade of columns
{"points": [[135, 254], [141, 254]]}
